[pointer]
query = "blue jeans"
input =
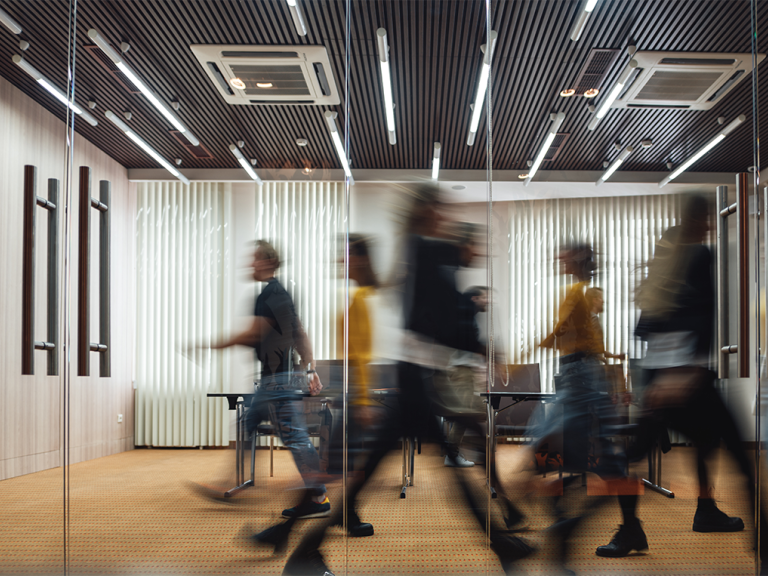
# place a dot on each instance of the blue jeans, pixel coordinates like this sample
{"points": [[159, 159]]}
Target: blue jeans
{"points": [[274, 401], [580, 413]]}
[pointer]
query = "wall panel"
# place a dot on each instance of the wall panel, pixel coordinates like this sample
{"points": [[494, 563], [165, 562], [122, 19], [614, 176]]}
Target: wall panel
{"points": [[30, 406]]}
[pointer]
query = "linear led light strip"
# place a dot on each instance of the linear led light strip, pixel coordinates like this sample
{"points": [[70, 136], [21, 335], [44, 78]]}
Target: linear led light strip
{"points": [[154, 100], [613, 94], [9, 22], [616, 163], [144, 146], [386, 82], [711, 144], [557, 121], [436, 160], [55, 92], [298, 17], [482, 86], [245, 164], [330, 117], [578, 27]]}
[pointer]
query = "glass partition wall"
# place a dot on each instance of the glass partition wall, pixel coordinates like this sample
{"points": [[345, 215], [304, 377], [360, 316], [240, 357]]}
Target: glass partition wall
{"points": [[355, 287], [37, 71]]}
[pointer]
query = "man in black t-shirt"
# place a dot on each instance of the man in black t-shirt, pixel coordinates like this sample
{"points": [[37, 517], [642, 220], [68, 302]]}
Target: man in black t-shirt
{"points": [[275, 333]]}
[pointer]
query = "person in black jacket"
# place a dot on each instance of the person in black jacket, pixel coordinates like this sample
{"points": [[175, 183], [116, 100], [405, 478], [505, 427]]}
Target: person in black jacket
{"points": [[438, 320], [677, 301]]}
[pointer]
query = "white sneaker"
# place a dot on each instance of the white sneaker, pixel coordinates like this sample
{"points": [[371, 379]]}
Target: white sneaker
{"points": [[458, 462]]}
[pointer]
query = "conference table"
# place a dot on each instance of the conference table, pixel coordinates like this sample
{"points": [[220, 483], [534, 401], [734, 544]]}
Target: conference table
{"points": [[238, 401]]}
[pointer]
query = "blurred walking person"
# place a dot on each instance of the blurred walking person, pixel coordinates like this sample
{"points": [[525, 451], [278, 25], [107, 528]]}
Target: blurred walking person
{"points": [[677, 301], [583, 404], [438, 320]]}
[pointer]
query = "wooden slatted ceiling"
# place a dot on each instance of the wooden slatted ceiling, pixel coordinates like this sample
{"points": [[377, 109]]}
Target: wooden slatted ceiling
{"points": [[435, 61]]}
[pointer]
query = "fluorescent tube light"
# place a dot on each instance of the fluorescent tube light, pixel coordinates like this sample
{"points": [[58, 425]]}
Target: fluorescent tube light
{"points": [[711, 144], [55, 92], [613, 167], [154, 100], [436, 160], [482, 86], [298, 17], [613, 94], [9, 22], [330, 117], [386, 82], [144, 146], [581, 23], [245, 164], [557, 122]]}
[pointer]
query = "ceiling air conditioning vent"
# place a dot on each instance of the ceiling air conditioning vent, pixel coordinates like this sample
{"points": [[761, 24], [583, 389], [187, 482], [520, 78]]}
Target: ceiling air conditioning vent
{"points": [[556, 146], [598, 64], [685, 80], [269, 75]]}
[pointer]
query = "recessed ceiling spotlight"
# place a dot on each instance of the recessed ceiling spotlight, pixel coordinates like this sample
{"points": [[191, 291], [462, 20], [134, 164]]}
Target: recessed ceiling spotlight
{"points": [[23, 44], [301, 141], [523, 176], [237, 83], [646, 143], [591, 93], [307, 170], [458, 187], [606, 163], [567, 93], [263, 84]]}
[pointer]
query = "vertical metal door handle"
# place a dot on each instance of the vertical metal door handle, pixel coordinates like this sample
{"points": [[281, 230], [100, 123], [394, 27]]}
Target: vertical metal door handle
{"points": [[84, 344], [28, 342], [742, 215], [724, 210]]}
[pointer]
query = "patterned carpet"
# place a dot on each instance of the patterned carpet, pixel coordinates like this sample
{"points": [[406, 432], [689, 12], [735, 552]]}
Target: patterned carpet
{"points": [[136, 513]]}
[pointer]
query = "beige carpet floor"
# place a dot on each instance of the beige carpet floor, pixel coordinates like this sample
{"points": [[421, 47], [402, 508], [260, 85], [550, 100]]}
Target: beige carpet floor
{"points": [[136, 513]]}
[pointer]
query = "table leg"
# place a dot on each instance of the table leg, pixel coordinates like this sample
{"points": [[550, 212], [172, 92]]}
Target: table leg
{"points": [[411, 470], [653, 482], [240, 437], [404, 473], [271, 456]]}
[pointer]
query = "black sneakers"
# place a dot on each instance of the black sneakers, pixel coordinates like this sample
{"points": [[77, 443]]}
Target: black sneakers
{"points": [[307, 564], [309, 510], [629, 537], [709, 518], [510, 549]]}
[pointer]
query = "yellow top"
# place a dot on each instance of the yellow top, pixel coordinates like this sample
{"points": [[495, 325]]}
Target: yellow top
{"points": [[360, 349], [575, 331]]}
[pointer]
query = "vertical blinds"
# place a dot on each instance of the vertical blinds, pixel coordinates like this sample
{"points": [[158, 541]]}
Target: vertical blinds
{"points": [[182, 272], [622, 230], [305, 222]]}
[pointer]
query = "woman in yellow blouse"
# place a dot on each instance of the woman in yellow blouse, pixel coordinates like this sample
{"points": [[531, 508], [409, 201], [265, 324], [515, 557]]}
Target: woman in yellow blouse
{"points": [[583, 401], [360, 343]]}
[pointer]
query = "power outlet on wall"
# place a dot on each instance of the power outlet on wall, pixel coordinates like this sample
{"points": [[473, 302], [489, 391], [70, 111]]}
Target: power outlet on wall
{"points": [[119, 418]]}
